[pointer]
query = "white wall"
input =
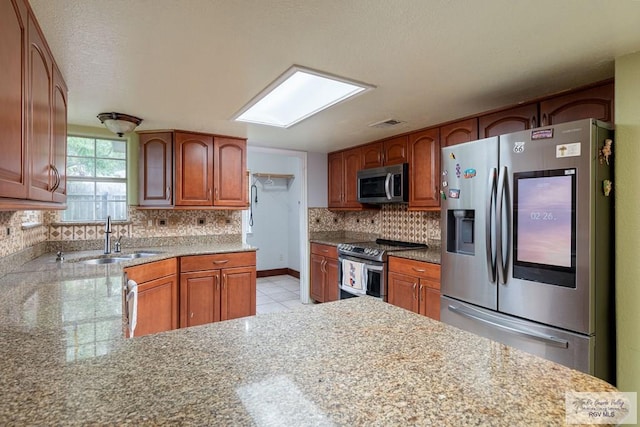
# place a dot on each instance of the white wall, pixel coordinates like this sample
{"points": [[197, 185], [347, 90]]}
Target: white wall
{"points": [[276, 215], [317, 180]]}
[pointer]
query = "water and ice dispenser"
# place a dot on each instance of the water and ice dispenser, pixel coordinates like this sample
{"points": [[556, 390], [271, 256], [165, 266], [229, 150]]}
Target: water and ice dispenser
{"points": [[460, 223]]}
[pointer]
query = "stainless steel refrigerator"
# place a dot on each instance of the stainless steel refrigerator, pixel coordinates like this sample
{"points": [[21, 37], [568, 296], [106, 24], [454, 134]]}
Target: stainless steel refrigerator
{"points": [[527, 242]]}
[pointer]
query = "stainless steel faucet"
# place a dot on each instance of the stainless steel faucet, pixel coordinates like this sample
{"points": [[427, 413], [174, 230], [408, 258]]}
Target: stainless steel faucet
{"points": [[107, 236]]}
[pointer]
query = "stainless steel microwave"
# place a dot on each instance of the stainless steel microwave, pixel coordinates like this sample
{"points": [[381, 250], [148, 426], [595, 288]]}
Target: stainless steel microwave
{"points": [[388, 184]]}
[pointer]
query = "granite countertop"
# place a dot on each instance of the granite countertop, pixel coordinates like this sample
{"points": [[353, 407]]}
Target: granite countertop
{"points": [[352, 362]]}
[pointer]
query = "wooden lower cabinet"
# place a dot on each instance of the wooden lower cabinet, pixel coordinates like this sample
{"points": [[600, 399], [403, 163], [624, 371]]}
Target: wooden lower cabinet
{"points": [[324, 273], [415, 286], [157, 296], [217, 287]]}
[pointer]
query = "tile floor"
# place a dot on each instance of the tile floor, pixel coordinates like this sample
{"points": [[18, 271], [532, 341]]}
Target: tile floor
{"points": [[277, 293]]}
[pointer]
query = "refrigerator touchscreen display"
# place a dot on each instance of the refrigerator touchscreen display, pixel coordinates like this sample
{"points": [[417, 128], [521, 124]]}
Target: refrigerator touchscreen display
{"points": [[544, 224]]}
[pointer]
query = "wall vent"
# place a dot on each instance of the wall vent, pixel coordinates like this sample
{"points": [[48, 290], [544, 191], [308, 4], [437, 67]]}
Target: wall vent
{"points": [[387, 123]]}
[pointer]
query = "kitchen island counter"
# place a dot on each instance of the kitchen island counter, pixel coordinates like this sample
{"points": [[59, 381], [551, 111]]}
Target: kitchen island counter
{"points": [[352, 362]]}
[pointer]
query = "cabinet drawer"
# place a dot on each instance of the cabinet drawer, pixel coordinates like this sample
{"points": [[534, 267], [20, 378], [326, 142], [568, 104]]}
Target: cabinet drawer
{"points": [[217, 261], [152, 270], [324, 250], [423, 270]]}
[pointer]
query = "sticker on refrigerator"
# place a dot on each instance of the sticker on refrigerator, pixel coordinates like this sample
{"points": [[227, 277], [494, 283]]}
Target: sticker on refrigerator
{"points": [[469, 173], [606, 151], [518, 147], [568, 150], [445, 184], [458, 170], [454, 193], [541, 134]]}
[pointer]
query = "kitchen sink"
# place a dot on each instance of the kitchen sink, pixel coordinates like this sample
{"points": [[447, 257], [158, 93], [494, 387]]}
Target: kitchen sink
{"points": [[115, 259], [99, 261]]}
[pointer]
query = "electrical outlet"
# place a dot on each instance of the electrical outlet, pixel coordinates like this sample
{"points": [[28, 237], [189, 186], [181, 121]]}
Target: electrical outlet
{"points": [[162, 222], [8, 231], [201, 221]]}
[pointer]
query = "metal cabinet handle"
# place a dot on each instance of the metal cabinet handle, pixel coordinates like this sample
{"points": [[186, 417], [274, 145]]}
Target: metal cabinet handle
{"points": [[415, 295], [224, 281], [544, 120], [419, 270], [325, 251], [208, 193], [217, 282], [216, 193], [56, 176], [222, 261], [534, 122], [420, 293], [168, 193]]}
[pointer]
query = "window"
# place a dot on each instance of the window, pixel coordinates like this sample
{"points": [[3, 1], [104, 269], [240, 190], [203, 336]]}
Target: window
{"points": [[96, 179]]}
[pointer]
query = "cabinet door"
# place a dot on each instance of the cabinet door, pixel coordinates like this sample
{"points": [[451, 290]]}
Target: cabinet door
{"points": [[157, 306], [424, 169], [459, 132], [199, 298], [352, 164], [40, 81], [13, 51], [596, 103], [317, 277], [507, 121], [230, 164], [156, 169], [194, 169], [403, 291], [238, 292], [331, 291], [430, 302], [59, 137], [395, 150], [372, 155], [336, 179]]}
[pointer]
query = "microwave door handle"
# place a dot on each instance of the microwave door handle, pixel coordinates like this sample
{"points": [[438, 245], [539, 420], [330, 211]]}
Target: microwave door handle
{"points": [[387, 186]]}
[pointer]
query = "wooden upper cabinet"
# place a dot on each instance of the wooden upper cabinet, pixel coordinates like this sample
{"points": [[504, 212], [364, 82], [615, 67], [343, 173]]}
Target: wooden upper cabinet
{"points": [[372, 155], [395, 150], [343, 179], [424, 169], [13, 51], [156, 169], [39, 123], [194, 169], [596, 102], [382, 153], [230, 183], [336, 178], [59, 137], [352, 164], [507, 121], [459, 132]]}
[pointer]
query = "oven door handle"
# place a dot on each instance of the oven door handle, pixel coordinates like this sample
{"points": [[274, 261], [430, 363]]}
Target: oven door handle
{"points": [[387, 188]]}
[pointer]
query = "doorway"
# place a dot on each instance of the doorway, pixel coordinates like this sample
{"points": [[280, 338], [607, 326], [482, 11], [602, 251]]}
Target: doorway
{"points": [[276, 222]]}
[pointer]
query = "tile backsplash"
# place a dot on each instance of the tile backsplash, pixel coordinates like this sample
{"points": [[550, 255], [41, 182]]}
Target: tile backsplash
{"points": [[21, 230], [391, 221]]}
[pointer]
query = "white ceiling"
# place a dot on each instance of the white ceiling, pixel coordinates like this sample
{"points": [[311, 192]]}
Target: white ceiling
{"points": [[191, 64]]}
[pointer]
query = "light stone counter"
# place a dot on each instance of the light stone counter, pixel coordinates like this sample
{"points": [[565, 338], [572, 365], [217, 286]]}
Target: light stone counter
{"points": [[355, 362]]}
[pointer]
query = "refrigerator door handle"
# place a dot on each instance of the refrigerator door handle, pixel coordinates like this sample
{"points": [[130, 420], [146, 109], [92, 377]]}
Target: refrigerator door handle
{"points": [[500, 259], [548, 339], [491, 262]]}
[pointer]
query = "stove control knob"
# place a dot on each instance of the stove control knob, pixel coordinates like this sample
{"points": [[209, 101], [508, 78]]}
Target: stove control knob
{"points": [[375, 252]]}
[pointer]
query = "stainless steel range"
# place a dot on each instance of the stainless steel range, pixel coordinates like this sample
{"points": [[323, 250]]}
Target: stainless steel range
{"points": [[362, 266]]}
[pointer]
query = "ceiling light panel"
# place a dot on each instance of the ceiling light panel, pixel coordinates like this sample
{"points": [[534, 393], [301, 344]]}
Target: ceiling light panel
{"points": [[296, 95]]}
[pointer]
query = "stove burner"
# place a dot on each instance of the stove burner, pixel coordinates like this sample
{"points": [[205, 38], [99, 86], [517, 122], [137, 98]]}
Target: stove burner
{"points": [[376, 251]]}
